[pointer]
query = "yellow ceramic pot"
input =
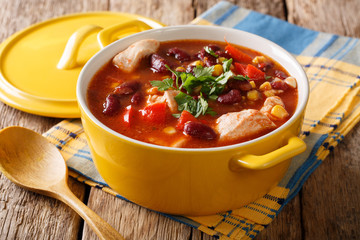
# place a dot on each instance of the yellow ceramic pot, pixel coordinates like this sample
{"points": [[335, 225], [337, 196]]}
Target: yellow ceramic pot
{"points": [[193, 181]]}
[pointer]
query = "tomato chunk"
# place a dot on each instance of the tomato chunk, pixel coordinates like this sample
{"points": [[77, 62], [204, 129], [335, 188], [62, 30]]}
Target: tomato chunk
{"points": [[238, 55], [254, 73], [184, 117], [240, 68], [154, 113]]}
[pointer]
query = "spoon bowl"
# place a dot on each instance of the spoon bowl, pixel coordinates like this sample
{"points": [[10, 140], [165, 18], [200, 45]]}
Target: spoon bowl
{"points": [[31, 162]]}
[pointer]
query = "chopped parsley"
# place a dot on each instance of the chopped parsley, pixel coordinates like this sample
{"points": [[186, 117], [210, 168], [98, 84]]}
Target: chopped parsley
{"points": [[241, 77], [211, 52], [226, 64], [198, 87], [164, 84]]}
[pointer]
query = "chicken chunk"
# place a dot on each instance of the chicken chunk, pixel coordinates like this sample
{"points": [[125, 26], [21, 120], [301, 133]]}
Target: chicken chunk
{"points": [[269, 103], [246, 123], [130, 58], [155, 99], [169, 96]]}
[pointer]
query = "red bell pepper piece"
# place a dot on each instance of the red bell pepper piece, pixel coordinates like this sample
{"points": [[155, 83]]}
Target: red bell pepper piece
{"points": [[237, 55], [154, 113], [128, 115], [184, 117], [254, 73]]}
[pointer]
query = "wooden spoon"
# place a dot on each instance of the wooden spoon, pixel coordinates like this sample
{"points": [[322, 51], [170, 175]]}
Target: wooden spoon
{"points": [[30, 161]]}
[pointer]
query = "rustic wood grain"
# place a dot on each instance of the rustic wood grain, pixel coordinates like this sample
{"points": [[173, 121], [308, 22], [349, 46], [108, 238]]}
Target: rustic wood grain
{"points": [[133, 221], [331, 196], [324, 209], [275, 8], [287, 225], [337, 16], [25, 215], [167, 12]]}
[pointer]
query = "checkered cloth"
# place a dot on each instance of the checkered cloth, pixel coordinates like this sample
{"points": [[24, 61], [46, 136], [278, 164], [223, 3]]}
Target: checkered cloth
{"points": [[332, 64]]}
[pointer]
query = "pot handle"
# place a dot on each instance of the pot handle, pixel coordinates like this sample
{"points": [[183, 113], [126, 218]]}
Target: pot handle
{"points": [[294, 147], [104, 37], [112, 33]]}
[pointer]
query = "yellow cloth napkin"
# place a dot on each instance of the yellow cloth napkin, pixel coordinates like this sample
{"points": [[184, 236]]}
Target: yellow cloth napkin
{"points": [[333, 67]]}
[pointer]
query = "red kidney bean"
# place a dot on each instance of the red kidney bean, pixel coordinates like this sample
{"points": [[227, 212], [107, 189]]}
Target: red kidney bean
{"points": [[278, 84], [202, 54], [207, 58], [210, 61], [280, 74], [265, 66], [223, 54], [137, 98], [179, 54], [233, 96], [127, 88], [213, 47], [199, 130], [240, 85], [111, 104], [158, 63]]}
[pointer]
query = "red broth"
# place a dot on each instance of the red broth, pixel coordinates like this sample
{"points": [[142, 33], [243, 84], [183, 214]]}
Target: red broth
{"points": [[120, 99]]}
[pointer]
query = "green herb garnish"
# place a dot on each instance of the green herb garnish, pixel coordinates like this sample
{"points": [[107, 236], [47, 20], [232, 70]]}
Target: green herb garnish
{"points": [[164, 84], [226, 64], [241, 77], [211, 52], [200, 83]]}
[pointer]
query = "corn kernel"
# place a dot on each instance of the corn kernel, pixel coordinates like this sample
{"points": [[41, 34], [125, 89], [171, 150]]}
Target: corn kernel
{"points": [[269, 93], [218, 70], [259, 59], [169, 130], [279, 111], [252, 83], [221, 59], [253, 95], [197, 63], [114, 85], [180, 69], [165, 77], [152, 91], [265, 86], [291, 81]]}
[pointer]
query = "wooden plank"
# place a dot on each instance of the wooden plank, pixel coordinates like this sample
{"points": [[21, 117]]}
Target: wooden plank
{"points": [[167, 12], [337, 16], [287, 225], [25, 215], [331, 196], [274, 8], [133, 221]]}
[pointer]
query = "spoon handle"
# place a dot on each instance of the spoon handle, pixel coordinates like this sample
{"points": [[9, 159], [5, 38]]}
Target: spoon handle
{"points": [[100, 226]]}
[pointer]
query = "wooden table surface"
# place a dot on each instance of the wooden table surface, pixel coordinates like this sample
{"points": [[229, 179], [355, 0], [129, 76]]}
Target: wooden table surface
{"points": [[327, 207]]}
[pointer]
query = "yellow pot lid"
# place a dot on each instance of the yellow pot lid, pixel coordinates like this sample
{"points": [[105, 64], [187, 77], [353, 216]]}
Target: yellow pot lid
{"points": [[39, 65]]}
